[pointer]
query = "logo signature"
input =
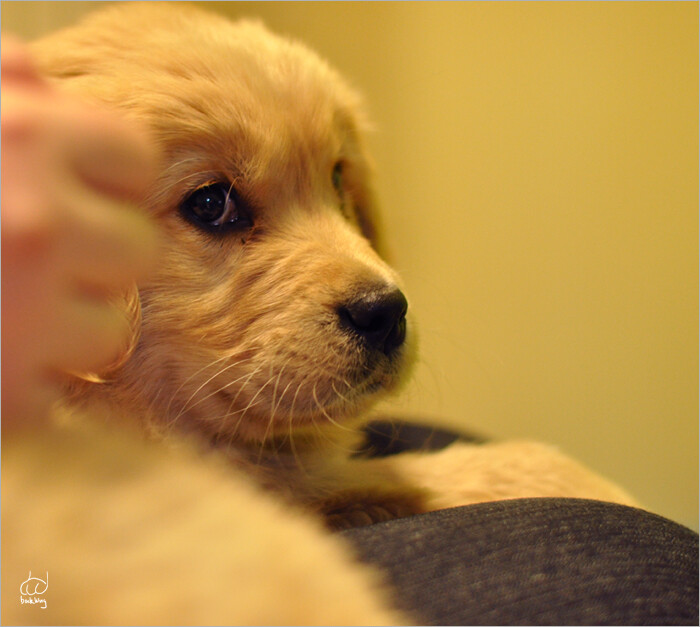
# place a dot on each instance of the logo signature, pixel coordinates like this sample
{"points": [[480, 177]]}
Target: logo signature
{"points": [[32, 589]]}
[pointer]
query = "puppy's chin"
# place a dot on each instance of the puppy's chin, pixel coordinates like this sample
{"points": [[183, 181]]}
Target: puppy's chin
{"points": [[255, 404]]}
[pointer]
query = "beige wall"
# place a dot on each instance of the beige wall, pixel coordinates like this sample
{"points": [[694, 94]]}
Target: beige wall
{"points": [[539, 174]]}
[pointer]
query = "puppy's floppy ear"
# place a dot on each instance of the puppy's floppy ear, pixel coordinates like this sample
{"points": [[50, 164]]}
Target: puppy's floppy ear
{"points": [[129, 303]]}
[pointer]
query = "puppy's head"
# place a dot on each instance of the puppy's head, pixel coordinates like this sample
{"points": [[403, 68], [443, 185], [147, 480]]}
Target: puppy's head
{"points": [[271, 310]]}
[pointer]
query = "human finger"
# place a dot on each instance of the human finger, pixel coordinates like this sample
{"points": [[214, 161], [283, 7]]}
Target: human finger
{"points": [[17, 65], [103, 244], [24, 407], [109, 153], [87, 336], [98, 146]]}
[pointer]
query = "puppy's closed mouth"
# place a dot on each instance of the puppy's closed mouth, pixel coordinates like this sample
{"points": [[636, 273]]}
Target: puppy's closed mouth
{"points": [[297, 390]]}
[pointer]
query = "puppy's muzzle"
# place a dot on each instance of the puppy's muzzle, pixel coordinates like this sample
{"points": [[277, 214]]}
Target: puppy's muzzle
{"points": [[378, 318]]}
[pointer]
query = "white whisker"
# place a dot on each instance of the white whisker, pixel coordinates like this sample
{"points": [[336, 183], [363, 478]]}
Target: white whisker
{"points": [[274, 406], [187, 407], [325, 413], [295, 455], [188, 379]]}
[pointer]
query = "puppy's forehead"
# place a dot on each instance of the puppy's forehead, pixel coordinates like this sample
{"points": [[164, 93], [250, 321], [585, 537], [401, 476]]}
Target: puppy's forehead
{"points": [[247, 75], [259, 102], [275, 112], [272, 110]]}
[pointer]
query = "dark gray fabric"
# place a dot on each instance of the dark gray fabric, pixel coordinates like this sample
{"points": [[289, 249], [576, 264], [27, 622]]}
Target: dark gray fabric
{"points": [[538, 561], [388, 436]]}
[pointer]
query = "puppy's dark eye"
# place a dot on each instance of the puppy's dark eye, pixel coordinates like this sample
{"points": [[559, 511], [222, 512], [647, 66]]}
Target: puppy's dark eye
{"points": [[337, 177], [215, 207], [339, 185]]}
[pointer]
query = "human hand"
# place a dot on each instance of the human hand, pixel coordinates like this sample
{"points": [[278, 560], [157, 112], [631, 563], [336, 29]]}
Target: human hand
{"points": [[71, 235]]}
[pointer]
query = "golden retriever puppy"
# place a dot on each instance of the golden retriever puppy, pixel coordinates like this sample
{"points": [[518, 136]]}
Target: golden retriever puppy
{"points": [[269, 330], [273, 324]]}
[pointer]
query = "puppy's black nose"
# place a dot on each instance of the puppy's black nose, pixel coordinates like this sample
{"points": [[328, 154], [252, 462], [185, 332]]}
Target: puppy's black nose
{"points": [[378, 317]]}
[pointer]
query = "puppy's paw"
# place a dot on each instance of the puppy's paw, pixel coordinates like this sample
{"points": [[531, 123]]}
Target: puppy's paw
{"points": [[465, 473], [347, 510]]}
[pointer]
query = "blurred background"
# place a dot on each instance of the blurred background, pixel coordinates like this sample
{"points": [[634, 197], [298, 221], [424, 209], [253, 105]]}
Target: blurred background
{"points": [[538, 175]]}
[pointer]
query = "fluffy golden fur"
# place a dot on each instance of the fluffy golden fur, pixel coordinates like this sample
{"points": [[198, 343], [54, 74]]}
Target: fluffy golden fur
{"points": [[238, 336], [133, 533], [240, 341]]}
